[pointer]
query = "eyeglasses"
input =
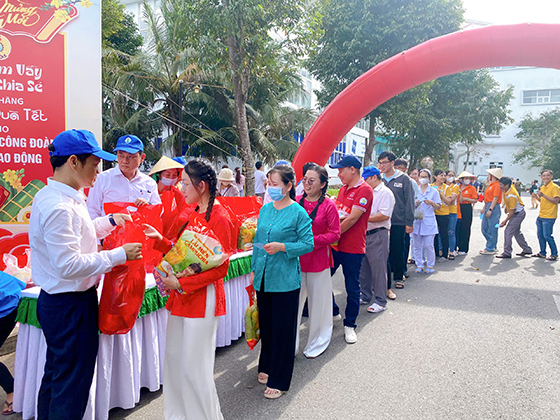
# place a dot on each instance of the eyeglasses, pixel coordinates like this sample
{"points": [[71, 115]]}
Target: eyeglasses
{"points": [[383, 162], [308, 181], [184, 184]]}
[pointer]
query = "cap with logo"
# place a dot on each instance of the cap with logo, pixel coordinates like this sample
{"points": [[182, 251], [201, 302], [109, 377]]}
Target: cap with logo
{"points": [[76, 142], [370, 171], [130, 144], [347, 161]]}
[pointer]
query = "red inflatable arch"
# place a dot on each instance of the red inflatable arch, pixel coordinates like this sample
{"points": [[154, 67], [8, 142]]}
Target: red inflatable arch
{"points": [[526, 44]]}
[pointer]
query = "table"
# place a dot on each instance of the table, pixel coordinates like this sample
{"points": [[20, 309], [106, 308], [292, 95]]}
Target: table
{"points": [[125, 363]]}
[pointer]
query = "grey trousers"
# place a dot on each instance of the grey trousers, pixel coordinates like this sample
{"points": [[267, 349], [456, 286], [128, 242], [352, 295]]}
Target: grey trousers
{"points": [[373, 276], [513, 230]]}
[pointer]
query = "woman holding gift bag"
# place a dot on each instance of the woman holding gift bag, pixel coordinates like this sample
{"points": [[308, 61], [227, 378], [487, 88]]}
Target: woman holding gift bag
{"points": [[188, 370], [283, 234]]}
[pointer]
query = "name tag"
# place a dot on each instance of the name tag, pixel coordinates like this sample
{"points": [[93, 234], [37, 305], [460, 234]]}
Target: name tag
{"points": [[398, 184]]}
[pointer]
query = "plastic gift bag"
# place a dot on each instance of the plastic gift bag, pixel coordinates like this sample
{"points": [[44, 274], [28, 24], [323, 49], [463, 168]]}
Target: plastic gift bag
{"points": [[244, 212], [197, 249], [252, 327], [12, 268], [123, 287]]}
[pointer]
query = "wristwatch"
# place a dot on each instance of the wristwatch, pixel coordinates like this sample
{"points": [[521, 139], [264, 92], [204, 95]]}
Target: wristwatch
{"points": [[112, 220]]}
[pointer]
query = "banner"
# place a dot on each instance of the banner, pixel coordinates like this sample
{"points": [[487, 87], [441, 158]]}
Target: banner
{"points": [[50, 80]]}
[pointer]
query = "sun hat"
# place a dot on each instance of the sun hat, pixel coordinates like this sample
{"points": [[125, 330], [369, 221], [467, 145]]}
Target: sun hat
{"points": [[226, 174], [165, 163], [495, 172], [129, 144], [465, 174], [76, 142]]}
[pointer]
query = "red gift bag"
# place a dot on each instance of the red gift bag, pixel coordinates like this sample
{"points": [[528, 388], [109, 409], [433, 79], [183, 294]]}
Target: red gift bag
{"points": [[244, 213], [123, 287]]}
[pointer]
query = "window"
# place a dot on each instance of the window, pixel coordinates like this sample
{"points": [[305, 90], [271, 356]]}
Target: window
{"points": [[338, 152], [541, 96]]}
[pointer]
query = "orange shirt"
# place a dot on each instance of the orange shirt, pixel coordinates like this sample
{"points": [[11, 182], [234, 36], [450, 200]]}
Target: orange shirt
{"points": [[468, 192], [492, 191]]}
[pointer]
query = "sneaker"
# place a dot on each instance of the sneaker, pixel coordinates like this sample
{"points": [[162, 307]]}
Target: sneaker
{"points": [[350, 335], [337, 317], [486, 252], [376, 308], [461, 253], [363, 302]]}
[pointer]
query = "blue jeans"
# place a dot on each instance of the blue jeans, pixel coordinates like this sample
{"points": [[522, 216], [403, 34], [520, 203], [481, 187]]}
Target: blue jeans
{"points": [[351, 267], [489, 229], [451, 231], [544, 233]]}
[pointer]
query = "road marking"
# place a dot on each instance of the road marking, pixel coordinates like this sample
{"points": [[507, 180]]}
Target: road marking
{"points": [[557, 300]]}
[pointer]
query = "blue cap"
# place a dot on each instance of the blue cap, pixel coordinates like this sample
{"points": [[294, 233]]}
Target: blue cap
{"points": [[76, 142], [371, 171], [130, 144], [180, 159], [282, 162], [347, 161]]}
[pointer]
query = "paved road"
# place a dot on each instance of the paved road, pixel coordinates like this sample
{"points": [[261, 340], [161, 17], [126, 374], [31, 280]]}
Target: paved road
{"points": [[479, 339]]}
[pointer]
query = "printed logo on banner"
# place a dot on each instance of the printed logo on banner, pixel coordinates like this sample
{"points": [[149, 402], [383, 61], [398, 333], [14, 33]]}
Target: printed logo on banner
{"points": [[5, 48]]}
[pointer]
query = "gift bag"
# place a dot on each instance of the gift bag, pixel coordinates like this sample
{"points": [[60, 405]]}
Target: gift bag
{"points": [[252, 327], [197, 249], [244, 212], [123, 286]]}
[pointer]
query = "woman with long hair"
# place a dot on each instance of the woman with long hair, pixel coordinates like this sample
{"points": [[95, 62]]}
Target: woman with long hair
{"points": [[284, 232], [195, 303], [239, 181], [316, 281]]}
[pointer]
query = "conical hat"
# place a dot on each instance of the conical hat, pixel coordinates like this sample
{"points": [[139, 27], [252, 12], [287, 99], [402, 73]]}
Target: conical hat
{"points": [[497, 172], [465, 174], [163, 164]]}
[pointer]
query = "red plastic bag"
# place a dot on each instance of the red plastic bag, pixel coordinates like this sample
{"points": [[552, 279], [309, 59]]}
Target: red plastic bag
{"points": [[244, 212], [175, 212], [123, 287]]}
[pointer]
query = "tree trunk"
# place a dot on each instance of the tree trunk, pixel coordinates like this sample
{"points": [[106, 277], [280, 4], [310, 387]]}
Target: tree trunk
{"points": [[468, 158], [370, 141], [240, 89]]}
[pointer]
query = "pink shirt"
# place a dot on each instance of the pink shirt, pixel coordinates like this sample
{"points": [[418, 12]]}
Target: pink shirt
{"points": [[326, 231]]}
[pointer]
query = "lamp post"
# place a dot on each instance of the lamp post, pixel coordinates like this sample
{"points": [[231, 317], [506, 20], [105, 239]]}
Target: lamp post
{"points": [[180, 117]]}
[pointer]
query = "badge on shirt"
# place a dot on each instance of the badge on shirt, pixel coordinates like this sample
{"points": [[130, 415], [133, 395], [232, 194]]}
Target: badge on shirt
{"points": [[398, 184], [363, 201]]}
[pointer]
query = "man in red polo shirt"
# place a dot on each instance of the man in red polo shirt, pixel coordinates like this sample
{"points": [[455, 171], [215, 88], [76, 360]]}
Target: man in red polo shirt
{"points": [[354, 206]]}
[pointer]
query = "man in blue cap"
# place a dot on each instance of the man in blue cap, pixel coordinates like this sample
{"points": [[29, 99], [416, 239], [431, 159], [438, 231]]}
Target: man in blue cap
{"points": [[373, 277], [124, 183], [354, 206], [67, 267]]}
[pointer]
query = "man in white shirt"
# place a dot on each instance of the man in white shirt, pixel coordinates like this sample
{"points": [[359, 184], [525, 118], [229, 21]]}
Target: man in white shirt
{"points": [[124, 183], [67, 266], [260, 180], [373, 276]]}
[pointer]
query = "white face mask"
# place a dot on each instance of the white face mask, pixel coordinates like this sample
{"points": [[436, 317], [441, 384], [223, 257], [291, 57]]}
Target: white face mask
{"points": [[424, 181], [450, 179], [466, 181], [168, 181]]}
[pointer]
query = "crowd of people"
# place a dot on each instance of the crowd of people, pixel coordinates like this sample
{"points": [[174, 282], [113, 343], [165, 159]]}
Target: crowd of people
{"points": [[381, 215]]}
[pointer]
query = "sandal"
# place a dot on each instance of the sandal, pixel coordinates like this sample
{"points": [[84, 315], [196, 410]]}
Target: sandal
{"points": [[451, 257], [399, 285], [273, 394], [418, 270], [552, 258], [8, 408], [539, 255], [262, 378], [429, 270]]}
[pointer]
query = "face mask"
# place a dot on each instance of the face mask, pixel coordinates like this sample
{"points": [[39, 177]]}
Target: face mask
{"points": [[450, 179], [168, 181], [466, 181], [275, 193], [424, 181]]}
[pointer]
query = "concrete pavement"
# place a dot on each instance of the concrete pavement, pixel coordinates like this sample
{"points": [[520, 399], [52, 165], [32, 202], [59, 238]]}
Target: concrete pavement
{"points": [[479, 339]]}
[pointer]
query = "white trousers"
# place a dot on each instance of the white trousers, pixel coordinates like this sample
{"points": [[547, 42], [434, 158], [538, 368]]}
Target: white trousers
{"points": [[189, 391], [317, 289], [424, 244]]}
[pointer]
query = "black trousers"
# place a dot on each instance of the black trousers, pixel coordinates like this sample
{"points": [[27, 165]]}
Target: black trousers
{"points": [[278, 313], [396, 261], [465, 227], [7, 324], [443, 227], [69, 323]]}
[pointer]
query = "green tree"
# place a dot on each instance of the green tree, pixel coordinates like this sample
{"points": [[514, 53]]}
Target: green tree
{"points": [[541, 135], [358, 34], [118, 28], [458, 108], [247, 38]]}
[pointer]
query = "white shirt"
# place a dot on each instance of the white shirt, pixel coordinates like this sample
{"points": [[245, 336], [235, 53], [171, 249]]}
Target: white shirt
{"points": [[63, 241], [112, 186], [384, 203], [260, 178]]}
